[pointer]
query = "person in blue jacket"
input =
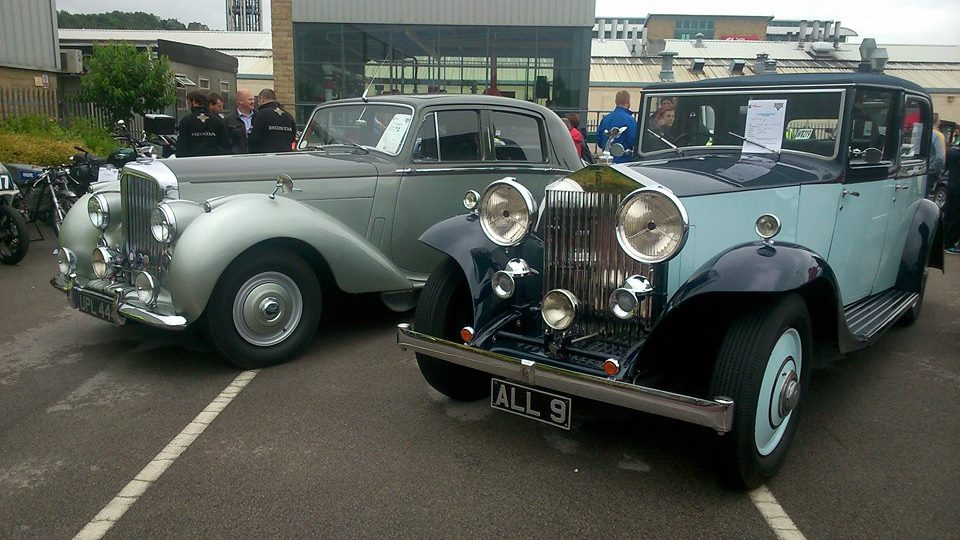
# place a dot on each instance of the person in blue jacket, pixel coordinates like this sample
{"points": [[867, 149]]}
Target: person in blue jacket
{"points": [[619, 117]]}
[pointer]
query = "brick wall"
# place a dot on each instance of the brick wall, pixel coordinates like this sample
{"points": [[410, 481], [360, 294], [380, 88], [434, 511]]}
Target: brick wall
{"points": [[660, 28], [281, 12]]}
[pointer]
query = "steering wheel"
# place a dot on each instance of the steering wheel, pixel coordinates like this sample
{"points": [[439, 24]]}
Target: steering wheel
{"points": [[678, 140]]}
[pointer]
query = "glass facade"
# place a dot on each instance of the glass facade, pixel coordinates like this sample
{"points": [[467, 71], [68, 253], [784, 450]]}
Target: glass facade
{"points": [[549, 66]]}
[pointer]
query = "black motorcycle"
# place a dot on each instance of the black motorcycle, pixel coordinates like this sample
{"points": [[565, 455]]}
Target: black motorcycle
{"points": [[14, 239], [157, 141], [45, 194]]}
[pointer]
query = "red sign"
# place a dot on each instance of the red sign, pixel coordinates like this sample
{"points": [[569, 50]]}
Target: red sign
{"points": [[739, 37]]}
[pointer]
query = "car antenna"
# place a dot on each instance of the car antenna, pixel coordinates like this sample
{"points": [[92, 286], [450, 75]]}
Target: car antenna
{"points": [[377, 74]]}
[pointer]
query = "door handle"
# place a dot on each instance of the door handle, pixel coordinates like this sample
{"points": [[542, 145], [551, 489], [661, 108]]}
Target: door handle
{"points": [[899, 187], [851, 193]]}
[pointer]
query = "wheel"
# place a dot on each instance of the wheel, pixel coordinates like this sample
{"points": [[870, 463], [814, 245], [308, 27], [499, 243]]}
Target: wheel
{"points": [[760, 366], [265, 308], [940, 196], [14, 239], [911, 315], [445, 307]]}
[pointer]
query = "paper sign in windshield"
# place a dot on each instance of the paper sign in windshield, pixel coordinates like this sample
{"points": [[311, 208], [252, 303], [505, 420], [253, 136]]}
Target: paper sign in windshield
{"points": [[764, 129], [392, 137]]}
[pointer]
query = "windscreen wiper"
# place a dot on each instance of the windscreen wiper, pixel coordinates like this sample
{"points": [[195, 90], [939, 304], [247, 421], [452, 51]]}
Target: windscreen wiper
{"points": [[765, 147], [664, 141]]}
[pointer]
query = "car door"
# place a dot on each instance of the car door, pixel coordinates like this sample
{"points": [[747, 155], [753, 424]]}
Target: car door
{"points": [[447, 160], [865, 201], [909, 186]]}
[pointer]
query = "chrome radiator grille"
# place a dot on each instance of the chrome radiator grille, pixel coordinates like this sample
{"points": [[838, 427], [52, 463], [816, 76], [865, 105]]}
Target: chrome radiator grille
{"points": [[139, 196], [581, 255]]}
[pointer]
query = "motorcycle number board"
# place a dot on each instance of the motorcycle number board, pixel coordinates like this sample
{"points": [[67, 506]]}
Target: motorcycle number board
{"points": [[531, 403], [101, 308]]}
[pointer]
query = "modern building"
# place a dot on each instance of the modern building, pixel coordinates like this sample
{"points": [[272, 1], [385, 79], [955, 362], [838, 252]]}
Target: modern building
{"points": [[631, 64], [244, 15], [252, 50], [727, 27], [535, 50], [29, 57]]}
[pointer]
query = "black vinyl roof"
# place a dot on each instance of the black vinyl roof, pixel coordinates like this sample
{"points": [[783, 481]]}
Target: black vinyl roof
{"points": [[801, 79]]}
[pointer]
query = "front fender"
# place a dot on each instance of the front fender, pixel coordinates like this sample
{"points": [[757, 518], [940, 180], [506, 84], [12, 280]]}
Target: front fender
{"points": [[238, 222], [924, 246], [462, 239]]}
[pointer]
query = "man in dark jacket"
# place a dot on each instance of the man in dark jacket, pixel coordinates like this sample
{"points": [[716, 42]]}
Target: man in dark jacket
{"points": [[951, 210], [273, 128], [240, 122], [201, 133]]}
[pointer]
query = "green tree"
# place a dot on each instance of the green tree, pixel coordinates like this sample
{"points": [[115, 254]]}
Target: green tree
{"points": [[124, 82]]}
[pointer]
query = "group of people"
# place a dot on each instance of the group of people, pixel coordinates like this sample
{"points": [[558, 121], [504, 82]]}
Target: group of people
{"points": [[945, 159], [206, 131], [618, 118]]}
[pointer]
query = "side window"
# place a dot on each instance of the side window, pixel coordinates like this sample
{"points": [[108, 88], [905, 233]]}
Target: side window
{"points": [[916, 116], [448, 136], [871, 118], [517, 137]]}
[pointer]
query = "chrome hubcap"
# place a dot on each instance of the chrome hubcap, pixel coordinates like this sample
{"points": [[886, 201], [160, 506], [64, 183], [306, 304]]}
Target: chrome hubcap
{"points": [[267, 309], [779, 391]]}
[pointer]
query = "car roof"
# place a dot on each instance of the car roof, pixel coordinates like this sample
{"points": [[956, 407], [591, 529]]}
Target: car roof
{"points": [[799, 79], [420, 100]]}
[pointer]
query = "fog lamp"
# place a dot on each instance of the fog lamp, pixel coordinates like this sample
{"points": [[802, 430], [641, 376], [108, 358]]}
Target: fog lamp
{"points": [[625, 301], [503, 285], [559, 309], [146, 288], [66, 261], [471, 199], [105, 262]]}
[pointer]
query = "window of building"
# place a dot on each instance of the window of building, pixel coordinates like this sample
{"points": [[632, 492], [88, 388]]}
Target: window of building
{"points": [[204, 83], [224, 86], [447, 136], [183, 81], [517, 137], [689, 27]]}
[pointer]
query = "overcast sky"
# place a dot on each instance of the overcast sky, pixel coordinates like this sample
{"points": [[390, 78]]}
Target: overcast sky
{"points": [[889, 21]]}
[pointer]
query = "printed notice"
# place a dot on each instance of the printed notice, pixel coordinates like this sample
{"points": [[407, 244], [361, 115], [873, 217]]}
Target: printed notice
{"points": [[392, 137], [764, 129]]}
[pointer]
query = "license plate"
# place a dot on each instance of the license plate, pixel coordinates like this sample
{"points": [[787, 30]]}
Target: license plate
{"points": [[101, 308], [528, 402]]}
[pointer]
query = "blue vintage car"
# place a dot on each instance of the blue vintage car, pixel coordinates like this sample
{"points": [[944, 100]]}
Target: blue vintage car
{"points": [[765, 219]]}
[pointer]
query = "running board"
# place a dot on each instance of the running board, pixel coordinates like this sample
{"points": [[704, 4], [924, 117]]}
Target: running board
{"points": [[869, 317]]}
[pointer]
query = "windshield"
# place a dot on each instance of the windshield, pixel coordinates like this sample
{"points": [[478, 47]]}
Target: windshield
{"points": [[371, 126], [757, 122]]}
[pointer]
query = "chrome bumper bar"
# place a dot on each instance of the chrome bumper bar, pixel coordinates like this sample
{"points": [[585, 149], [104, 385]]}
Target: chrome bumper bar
{"points": [[121, 308], [717, 415]]}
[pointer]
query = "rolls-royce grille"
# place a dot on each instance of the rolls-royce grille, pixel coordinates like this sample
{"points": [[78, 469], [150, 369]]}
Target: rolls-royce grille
{"points": [[581, 255], [139, 197]]}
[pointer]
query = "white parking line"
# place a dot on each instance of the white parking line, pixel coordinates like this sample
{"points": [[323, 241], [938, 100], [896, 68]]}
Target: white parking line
{"points": [[107, 517], [775, 515]]}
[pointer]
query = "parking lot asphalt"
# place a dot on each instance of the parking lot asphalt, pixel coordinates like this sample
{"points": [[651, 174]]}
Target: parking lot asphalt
{"points": [[348, 440]]}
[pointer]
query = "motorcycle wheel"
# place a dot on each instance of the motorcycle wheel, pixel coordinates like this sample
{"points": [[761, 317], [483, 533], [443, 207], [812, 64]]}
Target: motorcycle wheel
{"points": [[14, 240]]}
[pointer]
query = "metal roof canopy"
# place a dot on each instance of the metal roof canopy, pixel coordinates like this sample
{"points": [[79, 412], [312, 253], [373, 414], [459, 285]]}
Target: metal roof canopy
{"points": [[800, 79], [448, 12]]}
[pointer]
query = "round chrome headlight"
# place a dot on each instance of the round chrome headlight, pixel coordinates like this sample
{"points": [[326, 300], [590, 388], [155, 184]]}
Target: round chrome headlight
{"points": [[559, 309], [503, 285], [99, 211], [470, 199], [163, 224], [146, 287], [507, 212], [767, 226], [66, 261], [105, 262], [651, 225]]}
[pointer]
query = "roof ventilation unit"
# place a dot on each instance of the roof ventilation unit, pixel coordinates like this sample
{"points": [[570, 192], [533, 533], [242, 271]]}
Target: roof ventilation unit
{"points": [[698, 64], [736, 67]]}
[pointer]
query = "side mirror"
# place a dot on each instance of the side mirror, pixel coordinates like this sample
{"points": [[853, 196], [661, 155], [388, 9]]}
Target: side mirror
{"points": [[284, 185], [617, 150]]}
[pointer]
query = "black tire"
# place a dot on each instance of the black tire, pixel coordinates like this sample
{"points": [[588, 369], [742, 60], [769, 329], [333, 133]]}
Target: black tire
{"points": [[14, 239], [741, 363], [445, 307], [278, 272], [911, 315]]}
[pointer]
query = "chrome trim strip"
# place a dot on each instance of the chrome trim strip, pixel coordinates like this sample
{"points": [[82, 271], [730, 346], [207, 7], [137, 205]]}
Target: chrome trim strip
{"points": [[492, 168], [717, 414]]}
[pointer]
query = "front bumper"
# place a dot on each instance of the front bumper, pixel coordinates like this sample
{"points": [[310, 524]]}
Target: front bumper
{"points": [[717, 415], [123, 307]]}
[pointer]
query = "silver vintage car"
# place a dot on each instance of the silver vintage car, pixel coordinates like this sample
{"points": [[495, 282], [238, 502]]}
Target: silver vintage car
{"points": [[246, 243]]}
